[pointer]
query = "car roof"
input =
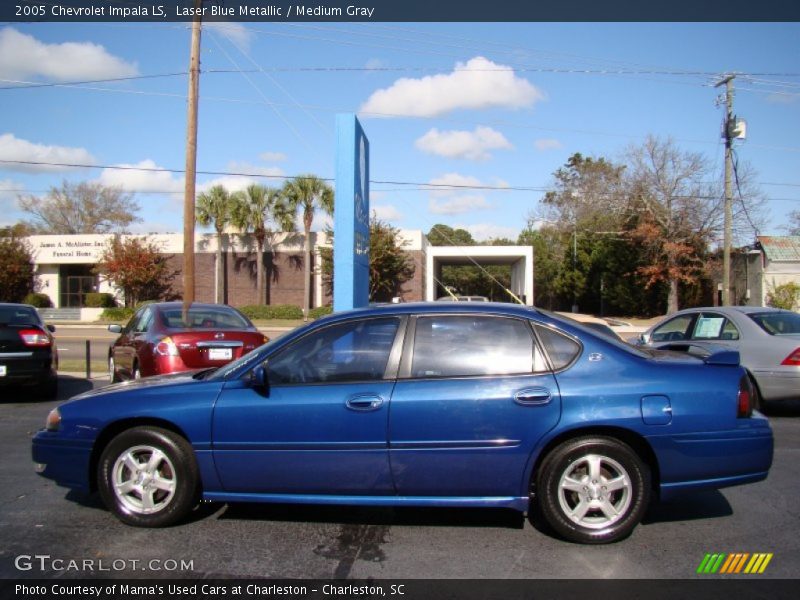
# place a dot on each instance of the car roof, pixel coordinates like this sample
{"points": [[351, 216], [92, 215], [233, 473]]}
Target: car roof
{"points": [[192, 305], [732, 309], [440, 308], [17, 304]]}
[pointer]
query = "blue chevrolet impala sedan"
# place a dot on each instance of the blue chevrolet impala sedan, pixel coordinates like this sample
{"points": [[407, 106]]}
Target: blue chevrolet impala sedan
{"points": [[437, 404]]}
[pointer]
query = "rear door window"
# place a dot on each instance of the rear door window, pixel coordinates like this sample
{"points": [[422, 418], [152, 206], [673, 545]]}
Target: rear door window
{"points": [[466, 346]]}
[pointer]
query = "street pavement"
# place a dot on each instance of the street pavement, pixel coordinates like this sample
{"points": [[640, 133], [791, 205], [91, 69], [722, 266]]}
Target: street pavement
{"points": [[37, 517]]}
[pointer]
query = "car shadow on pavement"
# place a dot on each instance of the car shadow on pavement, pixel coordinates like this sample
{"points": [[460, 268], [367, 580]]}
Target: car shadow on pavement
{"points": [[786, 408], [68, 386], [367, 515], [709, 504]]}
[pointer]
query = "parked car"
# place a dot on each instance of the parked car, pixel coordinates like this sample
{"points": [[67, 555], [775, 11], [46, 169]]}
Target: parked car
{"points": [[158, 341], [426, 404], [767, 339], [28, 352]]}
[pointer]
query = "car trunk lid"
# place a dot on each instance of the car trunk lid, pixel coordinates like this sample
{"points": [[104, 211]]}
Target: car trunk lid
{"points": [[213, 348]]}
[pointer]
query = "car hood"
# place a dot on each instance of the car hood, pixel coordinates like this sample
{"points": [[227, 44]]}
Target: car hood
{"points": [[138, 384]]}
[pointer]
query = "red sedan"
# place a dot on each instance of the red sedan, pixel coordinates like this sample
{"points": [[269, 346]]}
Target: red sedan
{"points": [[157, 341]]}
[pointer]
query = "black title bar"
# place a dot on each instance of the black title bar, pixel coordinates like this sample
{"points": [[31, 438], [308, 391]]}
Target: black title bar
{"points": [[401, 10]]}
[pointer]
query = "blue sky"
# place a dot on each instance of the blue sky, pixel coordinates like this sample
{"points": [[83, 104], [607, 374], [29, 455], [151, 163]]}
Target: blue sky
{"points": [[470, 103]]}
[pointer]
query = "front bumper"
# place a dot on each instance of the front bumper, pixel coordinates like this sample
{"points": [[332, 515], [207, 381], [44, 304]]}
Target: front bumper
{"points": [[64, 461]]}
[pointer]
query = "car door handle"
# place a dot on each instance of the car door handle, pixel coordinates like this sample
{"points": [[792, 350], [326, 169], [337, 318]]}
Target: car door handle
{"points": [[533, 397], [364, 403]]}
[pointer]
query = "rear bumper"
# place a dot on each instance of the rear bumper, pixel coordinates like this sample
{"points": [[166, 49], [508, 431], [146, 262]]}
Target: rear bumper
{"points": [[715, 459], [64, 461], [29, 369]]}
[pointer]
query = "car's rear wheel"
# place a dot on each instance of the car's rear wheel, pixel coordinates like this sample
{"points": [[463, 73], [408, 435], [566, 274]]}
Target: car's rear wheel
{"points": [[112, 370], [148, 477], [593, 490]]}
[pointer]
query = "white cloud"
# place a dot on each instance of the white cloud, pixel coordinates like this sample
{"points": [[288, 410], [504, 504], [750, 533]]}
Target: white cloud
{"points": [[453, 179], [484, 231], [386, 212], [236, 33], [23, 56], [251, 169], [272, 156], [544, 144], [472, 145], [476, 84], [14, 148], [782, 98], [458, 205], [133, 180], [373, 64]]}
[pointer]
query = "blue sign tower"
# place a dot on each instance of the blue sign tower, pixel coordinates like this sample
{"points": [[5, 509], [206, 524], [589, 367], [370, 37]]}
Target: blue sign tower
{"points": [[351, 216]]}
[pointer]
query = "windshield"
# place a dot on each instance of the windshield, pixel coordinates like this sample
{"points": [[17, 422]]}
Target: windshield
{"points": [[18, 315], [204, 318], [778, 323]]}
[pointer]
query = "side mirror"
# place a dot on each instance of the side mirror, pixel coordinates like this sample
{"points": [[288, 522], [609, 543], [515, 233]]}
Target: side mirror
{"points": [[51, 328], [260, 377], [115, 328]]}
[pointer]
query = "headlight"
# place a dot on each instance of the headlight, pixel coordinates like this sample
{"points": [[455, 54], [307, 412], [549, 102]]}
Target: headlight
{"points": [[53, 420]]}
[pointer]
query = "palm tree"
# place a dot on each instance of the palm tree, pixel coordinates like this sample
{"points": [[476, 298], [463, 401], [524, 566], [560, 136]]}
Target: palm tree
{"points": [[307, 193], [255, 209], [214, 208]]}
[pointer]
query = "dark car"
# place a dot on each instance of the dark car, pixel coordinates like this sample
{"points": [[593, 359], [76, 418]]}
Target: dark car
{"points": [[157, 340], [438, 404], [28, 353]]}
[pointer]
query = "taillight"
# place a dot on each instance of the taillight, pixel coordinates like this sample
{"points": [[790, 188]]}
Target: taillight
{"points": [[745, 400], [34, 337], [793, 360], [167, 347]]}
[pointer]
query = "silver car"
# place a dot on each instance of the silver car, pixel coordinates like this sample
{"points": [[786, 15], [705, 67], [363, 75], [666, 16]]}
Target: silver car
{"points": [[768, 341]]}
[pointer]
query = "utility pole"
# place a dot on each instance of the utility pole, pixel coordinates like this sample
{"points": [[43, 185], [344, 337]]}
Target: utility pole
{"points": [[191, 164], [728, 234]]}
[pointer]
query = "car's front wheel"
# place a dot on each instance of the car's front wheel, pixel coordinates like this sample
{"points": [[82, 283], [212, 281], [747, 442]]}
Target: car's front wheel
{"points": [[112, 370], [593, 490], [148, 477]]}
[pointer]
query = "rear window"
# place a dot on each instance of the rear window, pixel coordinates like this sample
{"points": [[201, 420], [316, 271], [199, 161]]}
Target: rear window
{"points": [[777, 323], [204, 318], [18, 315]]}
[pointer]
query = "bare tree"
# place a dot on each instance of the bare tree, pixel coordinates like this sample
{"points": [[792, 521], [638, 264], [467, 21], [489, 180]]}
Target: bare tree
{"points": [[80, 208]]}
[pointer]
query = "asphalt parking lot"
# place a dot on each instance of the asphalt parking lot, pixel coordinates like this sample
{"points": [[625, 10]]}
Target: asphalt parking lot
{"points": [[39, 518]]}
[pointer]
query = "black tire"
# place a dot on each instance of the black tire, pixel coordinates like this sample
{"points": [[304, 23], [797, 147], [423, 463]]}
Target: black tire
{"points": [[758, 403], [147, 501], [585, 519]]}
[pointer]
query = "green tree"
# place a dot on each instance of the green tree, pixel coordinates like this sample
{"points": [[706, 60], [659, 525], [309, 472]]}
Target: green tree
{"points": [[444, 235], [256, 210], [786, 296], [389, 265], [306, 194], [80, 208], [215, 207], [16, 269], [138, 268]]}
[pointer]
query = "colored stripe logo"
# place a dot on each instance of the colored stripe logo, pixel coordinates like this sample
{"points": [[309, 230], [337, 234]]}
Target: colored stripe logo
{"points": [[735, 563]]}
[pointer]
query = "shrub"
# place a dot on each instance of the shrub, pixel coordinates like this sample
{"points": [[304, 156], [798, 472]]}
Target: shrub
{"points": [[38, 300], [320, 311], [122, 313], [785, 296], [99, 300], [273, 311]]}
